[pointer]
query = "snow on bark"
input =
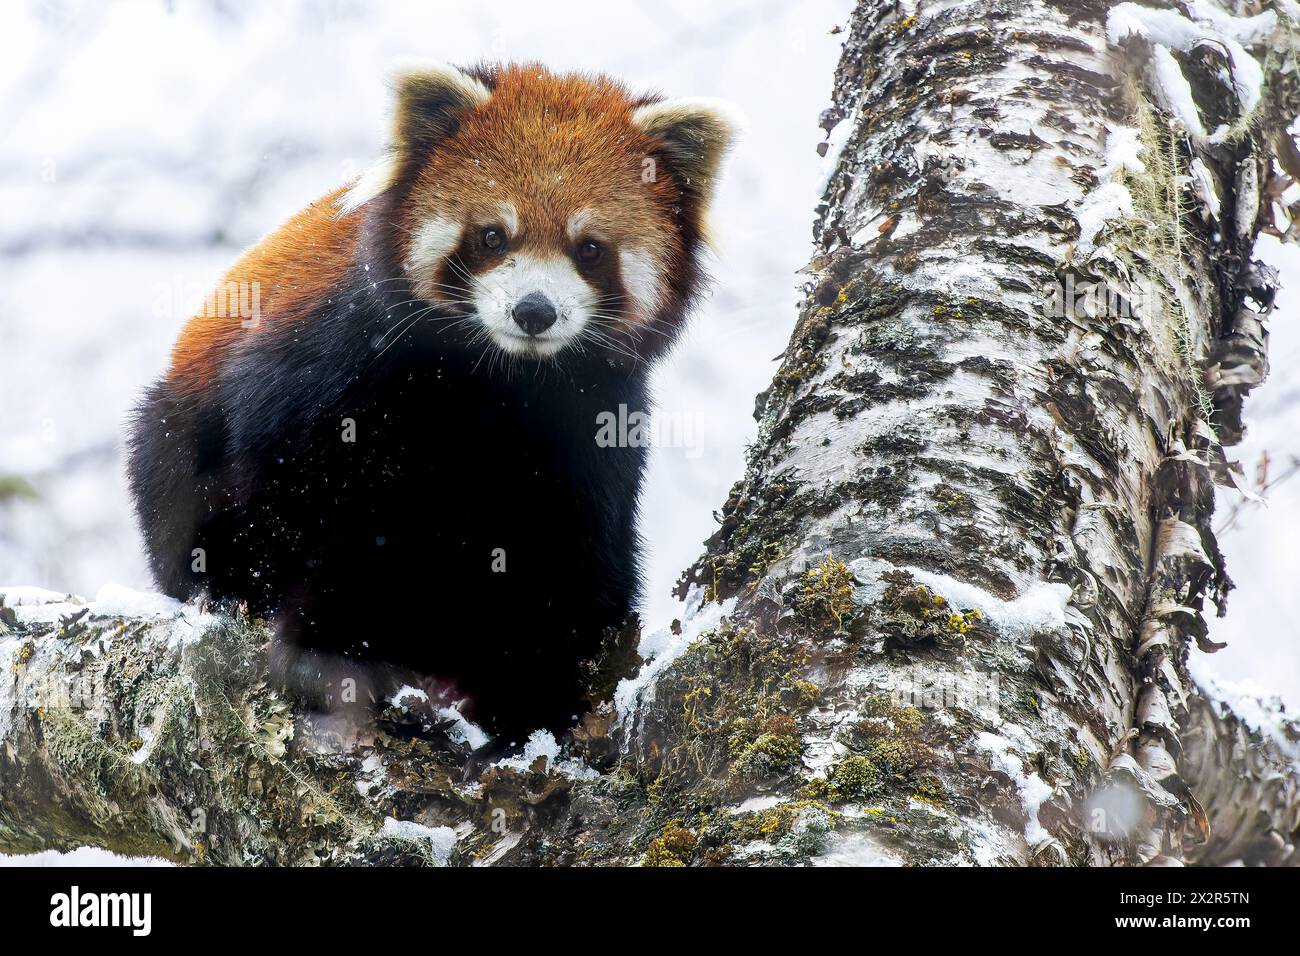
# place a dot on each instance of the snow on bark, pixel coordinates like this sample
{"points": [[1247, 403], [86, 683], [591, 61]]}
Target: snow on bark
{"points": [[1242, 757], [145, 727], [1028, 332]]}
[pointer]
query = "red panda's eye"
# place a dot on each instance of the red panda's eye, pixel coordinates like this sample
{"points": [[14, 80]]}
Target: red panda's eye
{"points": [[589, 251], [494, 240]]}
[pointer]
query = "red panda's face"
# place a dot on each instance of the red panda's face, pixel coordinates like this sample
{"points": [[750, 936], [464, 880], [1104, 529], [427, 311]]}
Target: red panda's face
{"points": [[556, 212], [540, 278]]}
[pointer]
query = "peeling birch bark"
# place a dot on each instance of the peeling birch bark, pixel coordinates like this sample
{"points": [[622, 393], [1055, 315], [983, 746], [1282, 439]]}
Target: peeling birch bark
{"points": [[1248, 777], [1033, 319], [948, 612]]}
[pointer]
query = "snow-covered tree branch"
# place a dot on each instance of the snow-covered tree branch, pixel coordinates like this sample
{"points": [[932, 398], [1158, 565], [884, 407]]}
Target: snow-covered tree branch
{"points": [[954, 607]]}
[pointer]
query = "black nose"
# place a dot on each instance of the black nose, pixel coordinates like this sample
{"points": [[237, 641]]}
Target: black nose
{"points": [[534, 313]]}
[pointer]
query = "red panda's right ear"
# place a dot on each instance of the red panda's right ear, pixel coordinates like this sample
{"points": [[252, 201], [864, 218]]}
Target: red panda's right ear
{"points": [[428, 101]]}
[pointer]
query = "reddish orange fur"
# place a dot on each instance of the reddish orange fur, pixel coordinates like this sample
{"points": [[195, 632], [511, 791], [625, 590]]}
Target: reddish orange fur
{"points": [[594, 158], [581, 125], [292, 269]]}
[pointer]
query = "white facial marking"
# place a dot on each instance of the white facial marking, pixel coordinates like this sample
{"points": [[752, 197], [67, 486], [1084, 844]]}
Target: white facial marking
{"points": [[509, 217], [642, 280], [433, 241], [578, 224], [497, 292]]}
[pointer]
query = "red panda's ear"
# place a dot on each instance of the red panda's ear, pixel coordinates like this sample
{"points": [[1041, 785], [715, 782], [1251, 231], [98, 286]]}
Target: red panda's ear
{"points": [[429, 99], [696, 134]]}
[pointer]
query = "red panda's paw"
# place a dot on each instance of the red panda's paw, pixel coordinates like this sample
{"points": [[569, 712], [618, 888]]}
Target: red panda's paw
{"points": [[348, 700]]}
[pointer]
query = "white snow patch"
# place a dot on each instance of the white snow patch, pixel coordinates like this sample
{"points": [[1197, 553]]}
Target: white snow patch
{"points": [[1107, 202], [1245, 30], [441, 840], [114, 600], [149, 738], [34, 605], [371, 767], [1173, 91], [461, 731], [855, 849], [81, 856], [1040, 608], [1169, 30], [46, 613], [662, 647], [1203, 185], [542, 743], [1290, 8], [22, 595], [1168, 27], [1033, 790], [757, 804], [1122, 149], [985, 843], [406, 690], [836, 140], [1262, 711]]}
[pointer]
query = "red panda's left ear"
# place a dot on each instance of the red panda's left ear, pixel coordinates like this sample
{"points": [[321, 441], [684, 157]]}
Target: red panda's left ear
{"points": [[696, 135]]}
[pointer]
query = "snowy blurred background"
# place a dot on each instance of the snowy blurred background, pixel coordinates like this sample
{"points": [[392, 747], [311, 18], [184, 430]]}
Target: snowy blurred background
{"points": [[147, 143]]}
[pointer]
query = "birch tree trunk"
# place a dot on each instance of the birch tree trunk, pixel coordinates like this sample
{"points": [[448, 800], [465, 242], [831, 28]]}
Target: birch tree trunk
{"points": [[948, 612]]}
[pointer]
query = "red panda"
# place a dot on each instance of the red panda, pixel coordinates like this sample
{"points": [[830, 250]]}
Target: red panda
{"points": [[394, 457]]}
